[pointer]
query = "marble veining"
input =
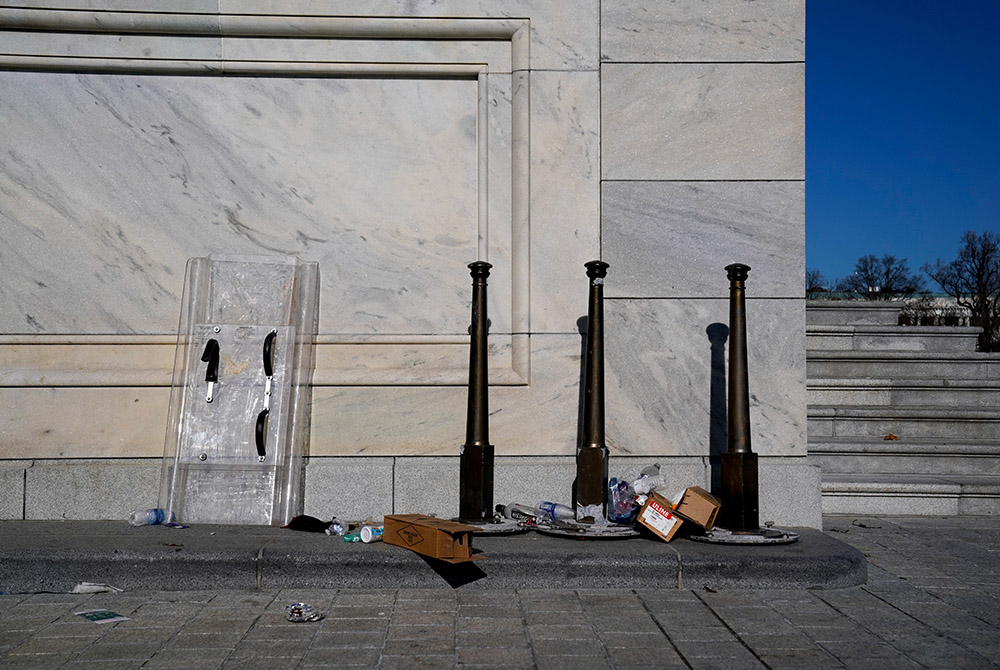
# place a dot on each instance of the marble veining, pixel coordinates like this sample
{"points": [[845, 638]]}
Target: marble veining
{"points": [[672, 239], [347, 172], [666, 376], [703, 121], [696, 31]]}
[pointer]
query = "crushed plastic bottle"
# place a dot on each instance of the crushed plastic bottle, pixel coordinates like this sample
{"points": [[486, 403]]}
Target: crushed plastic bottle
{"points": [[337, 527], [301, 613], [149, 517], [554, 511], [518, 511], [649, 480]]}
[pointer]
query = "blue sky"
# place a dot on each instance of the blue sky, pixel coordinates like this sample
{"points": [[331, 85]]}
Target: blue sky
{"points": [[902, 129]]}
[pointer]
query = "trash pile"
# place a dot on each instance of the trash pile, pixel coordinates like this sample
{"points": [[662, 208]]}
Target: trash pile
{"points": [[641, 501]]}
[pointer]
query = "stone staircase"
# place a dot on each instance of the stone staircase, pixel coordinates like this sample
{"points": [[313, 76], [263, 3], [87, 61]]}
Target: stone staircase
{"points": [[869, 378]]}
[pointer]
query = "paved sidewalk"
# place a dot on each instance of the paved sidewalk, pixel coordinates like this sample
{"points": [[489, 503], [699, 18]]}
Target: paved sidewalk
{"points": [[932, 601]]}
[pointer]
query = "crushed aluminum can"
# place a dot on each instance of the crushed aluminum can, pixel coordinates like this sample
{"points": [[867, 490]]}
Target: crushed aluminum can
{"points": [[302, 613]]}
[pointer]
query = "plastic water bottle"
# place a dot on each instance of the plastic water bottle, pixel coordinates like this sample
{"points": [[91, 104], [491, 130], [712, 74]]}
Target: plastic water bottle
{"points": [[149, 517], [554, 511], [516, 511]]}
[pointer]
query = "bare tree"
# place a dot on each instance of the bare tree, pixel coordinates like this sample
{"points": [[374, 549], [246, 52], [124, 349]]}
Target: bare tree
{"points": [[815, 284], [973, 279], [886, 278]]}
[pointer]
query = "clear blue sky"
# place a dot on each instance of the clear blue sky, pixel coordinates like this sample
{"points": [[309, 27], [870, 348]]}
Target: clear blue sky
{"points": [[902, 129]]}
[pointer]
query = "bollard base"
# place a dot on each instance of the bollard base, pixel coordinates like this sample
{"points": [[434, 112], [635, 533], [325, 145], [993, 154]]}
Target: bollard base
{"points": [[758, 536], [740, 496], [499, 527], [583, 531], [591, 482], [475, 495]]}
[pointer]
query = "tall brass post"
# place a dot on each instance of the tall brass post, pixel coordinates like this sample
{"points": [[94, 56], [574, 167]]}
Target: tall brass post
{"points": [[476, 463], [592, 457], [739, 464]]}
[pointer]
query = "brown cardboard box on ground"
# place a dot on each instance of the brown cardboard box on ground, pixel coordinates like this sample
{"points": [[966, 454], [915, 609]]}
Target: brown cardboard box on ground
{"points": [[699, 506], [657, 515], [437, 538]]}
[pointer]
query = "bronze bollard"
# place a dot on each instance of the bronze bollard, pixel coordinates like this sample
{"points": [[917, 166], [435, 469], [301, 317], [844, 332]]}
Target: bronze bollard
{"points": [[739, 464], [592, 457], [476, 464]]}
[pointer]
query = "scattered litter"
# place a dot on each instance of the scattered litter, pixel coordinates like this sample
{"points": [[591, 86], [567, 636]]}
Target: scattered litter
{"points": [[593, 514], [658, 516], [171, 524], [698, 505], [338, 527], [102, 616], [150, 517], [709, 589], [519, 512], [621, 502], [94, 587], [302, 613], [310, 524], [648, 480], [371, 534], [353, 536], [552, 511], [890, 436], [448, 541]]}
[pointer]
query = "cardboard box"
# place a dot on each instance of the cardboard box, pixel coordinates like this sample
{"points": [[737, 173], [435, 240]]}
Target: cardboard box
{"points": [[657, 515], [437, 538], [699, 506]]}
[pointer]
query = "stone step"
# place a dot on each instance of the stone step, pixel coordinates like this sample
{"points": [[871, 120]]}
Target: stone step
{"points": [[917, 495], [833, 312], [891, 338], [904, 392], [911, 423], [826, 364], [910, 457]]}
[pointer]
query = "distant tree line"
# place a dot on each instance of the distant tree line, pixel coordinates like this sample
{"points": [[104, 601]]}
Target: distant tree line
{"points": [[972, 278]]}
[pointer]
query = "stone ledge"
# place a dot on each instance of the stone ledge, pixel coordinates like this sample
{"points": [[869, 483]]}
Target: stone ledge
{"points": [[54, 556]]}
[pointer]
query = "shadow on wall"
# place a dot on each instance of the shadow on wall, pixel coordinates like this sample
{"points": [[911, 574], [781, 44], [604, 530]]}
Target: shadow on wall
{"points": [[718, 334]]}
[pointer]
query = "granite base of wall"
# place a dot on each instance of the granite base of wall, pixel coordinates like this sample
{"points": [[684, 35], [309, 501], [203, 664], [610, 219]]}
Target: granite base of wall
{"points": [[370, 487]]}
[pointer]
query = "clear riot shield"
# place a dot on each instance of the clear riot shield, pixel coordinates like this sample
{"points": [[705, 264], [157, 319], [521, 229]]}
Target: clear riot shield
{"points": [[239, 402]]}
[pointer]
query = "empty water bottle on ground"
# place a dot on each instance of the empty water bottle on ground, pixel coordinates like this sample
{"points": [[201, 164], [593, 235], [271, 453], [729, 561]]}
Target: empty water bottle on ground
{"points": [[551, 510], [149, 517]]}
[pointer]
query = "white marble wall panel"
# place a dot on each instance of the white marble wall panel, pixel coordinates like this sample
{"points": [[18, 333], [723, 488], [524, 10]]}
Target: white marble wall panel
{"points": [[539, 419], [703, 121], [666, 376], [82, 422], [564, 35], [178, 6], [108, 46], [495, 55], [496, 241], [565, 196], [345, 172], [699, 31], [673, 239]]}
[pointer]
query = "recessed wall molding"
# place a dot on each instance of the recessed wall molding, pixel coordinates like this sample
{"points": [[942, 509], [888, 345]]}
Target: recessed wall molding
{"points": [[492, 53]]}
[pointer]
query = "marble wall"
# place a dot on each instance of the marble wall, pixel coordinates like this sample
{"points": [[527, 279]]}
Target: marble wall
{"points": [[394, 142]]}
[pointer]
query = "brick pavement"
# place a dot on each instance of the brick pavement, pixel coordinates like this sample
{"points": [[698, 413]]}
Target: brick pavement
{"points": [[932, 601]]}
